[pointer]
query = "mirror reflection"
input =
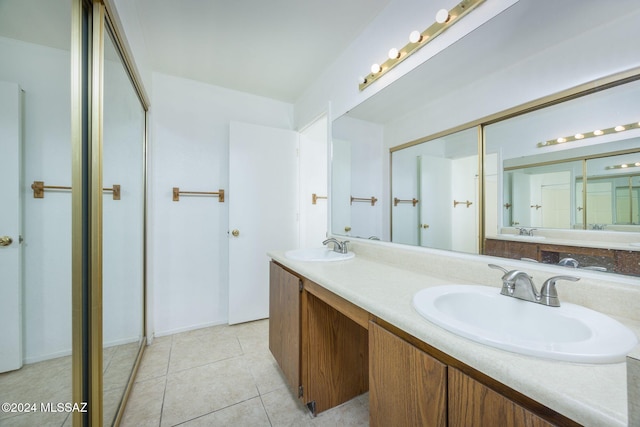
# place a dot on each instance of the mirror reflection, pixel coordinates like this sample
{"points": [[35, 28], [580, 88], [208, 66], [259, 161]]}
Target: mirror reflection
{"points": [[35, 289], [543, 180], [123, 228], [357, 179], [540, 196], [434, 189]]}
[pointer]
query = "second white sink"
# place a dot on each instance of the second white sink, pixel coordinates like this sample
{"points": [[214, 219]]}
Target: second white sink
{"points": [[570, 332]]}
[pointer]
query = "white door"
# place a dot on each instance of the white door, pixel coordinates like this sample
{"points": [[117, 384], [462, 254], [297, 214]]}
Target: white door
{"points": [[10, 228], [263, 202], [435, 203]]}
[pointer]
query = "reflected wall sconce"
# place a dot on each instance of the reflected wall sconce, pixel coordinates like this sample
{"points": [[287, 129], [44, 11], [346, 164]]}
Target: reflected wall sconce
{"points": [[586, 135], [444, 19]]}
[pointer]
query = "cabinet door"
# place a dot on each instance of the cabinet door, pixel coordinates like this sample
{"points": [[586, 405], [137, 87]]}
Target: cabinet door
{"points": [[473, 404], [284, 322], [407, 387]]}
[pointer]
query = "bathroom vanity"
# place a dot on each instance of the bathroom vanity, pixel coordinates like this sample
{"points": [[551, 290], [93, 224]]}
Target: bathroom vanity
{"points": [[340, 329]]}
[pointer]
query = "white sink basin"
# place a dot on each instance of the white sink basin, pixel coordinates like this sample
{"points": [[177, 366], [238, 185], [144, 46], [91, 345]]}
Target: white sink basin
{"points": [[570, 332], [519, 237], [317, 255]]}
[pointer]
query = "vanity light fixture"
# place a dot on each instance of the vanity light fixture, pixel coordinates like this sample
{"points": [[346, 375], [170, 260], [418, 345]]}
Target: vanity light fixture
{"points": [[624, 166], [444, 19], [597, 132]]}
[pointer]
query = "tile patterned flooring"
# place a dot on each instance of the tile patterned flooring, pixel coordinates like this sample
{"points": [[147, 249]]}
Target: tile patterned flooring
{"points": [[223, 376], [50, 382]]}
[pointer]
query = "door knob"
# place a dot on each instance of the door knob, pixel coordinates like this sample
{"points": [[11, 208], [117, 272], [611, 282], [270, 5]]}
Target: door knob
{"points": [[425, 226], [235, 233], [5, 241]]}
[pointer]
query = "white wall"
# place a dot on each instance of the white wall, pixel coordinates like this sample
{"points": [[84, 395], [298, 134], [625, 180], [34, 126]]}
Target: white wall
{"points": [[187, 241], [43, 74]]}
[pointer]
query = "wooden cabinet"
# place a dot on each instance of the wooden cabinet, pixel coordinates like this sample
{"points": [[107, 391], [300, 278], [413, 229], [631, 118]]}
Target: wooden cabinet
{"points": [[321, 350], [335, 356], [407, 386], [284, 322], [471, 403]]}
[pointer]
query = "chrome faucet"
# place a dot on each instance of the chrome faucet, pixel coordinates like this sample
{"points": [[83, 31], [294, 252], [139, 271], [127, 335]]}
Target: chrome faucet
{"points": [[525, 231], [338, 246], [518, 284]]}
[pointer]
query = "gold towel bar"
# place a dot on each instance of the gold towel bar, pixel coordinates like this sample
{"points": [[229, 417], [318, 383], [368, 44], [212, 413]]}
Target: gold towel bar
{"points": [[38, 188], [456, 203], [315, 197], [373, 200], [414, 201], [177, 193]]}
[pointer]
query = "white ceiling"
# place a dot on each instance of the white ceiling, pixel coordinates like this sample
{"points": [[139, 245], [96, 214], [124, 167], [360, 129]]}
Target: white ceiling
{"points": [[274, 48]]}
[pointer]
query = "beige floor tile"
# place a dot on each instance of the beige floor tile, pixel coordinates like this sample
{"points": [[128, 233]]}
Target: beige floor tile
{"points": [[198, 391], [155, 360], [253, 336], [265, 371], [144, 407], [110, 403], [39, 419], [284, 409], [201, 350], [350, 414], [43, 382], [249, 413]]}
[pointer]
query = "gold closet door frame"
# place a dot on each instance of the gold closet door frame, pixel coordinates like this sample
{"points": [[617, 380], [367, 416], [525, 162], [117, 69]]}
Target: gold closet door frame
{"points": [[90, 19]]}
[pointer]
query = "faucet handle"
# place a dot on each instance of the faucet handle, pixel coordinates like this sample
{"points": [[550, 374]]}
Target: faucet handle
{"points": [[549, 294], [344, 247], [497, 267]]}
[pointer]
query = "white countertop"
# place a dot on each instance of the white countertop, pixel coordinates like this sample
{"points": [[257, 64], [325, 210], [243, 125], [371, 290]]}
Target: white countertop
{"points": [[592, 395]]}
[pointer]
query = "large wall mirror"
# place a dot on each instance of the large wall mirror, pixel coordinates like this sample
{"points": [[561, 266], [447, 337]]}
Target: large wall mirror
{"points": [[501, 180]]}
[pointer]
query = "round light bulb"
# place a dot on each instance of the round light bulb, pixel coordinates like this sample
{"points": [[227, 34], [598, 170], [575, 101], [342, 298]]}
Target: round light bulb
{"points": [[361, 80], [375, 68], [561, 140], [637, 163], [415, 37], [597, 132], [624, 166], [578, 136], [393, 53], [619, 128], [442, 16]]}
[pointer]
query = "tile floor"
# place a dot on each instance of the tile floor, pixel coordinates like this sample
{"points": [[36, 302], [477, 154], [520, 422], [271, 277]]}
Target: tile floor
{"points": [[223, 376], [50, 382]]}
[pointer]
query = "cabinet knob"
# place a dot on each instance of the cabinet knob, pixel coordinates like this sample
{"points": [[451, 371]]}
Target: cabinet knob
{"points": [[5, 241], [235, 233]]}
